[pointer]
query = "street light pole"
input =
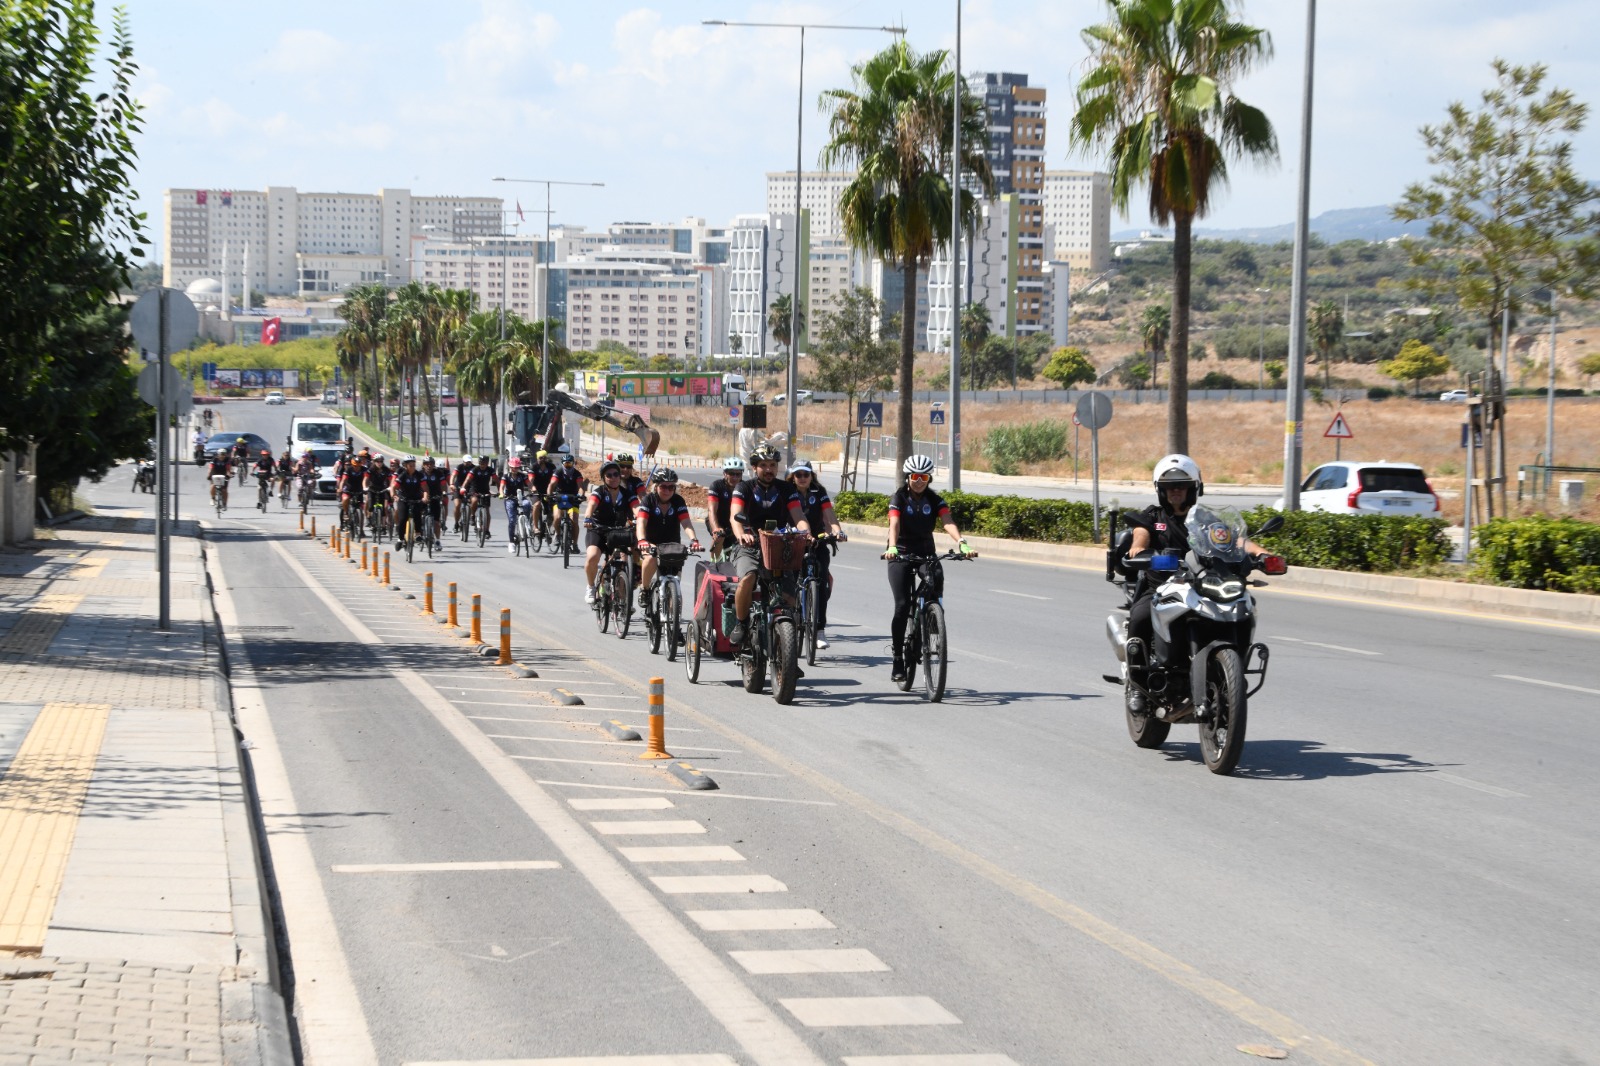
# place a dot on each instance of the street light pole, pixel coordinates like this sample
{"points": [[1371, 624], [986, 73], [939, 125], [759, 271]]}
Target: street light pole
{"points": [[1294, 424], [1261, 342], [793, 375], [544, 326], [955, 272]]}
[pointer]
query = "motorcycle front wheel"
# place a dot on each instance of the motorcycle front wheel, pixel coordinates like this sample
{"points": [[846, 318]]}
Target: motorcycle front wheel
{"points": [[1222, 734]]}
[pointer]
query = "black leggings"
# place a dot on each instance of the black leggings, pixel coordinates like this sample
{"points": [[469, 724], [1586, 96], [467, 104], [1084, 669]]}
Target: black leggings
{"points": [[823, 556], [901, 576]]}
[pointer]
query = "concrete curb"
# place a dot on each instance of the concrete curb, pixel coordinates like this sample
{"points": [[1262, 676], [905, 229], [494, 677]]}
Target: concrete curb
{"points": [[690, 776], [565, 698], [1569, 608], [621, 732]]}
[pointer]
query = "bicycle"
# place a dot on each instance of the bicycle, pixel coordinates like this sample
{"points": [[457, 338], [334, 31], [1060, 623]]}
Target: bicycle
{"points": [[308, 486], [524, 527], [219, 492], [283, 490], [566, 530], [614, 601], [541, 522], [478, 521], [408, 537], [926, 638], [772, 636], [811, 595], [263, 492], [243, 466], [665, 616], [430, 532]]}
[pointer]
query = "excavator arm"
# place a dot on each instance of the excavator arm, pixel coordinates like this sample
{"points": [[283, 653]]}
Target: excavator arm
{"points": [[596, 412]]}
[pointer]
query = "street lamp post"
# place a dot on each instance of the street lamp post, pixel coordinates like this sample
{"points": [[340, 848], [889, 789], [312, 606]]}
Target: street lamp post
{"points": [[544, 327], [1261, 342], [793, 376]]}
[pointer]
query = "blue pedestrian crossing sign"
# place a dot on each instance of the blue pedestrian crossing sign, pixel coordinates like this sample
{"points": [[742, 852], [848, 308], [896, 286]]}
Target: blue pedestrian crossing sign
{"points": [[936, 416], [869, 415]]}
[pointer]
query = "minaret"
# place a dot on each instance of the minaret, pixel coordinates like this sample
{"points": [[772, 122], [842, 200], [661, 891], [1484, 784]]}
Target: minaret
{"points": [[244, 291], [227, 311]]}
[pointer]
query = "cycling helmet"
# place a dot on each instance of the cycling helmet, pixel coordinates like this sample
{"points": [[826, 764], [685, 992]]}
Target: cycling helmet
{"points": [[468, 459], [625, 459], [515, 463], [364, 454], [733, 464], [764, 454], [427, 460], [1178, 469], [482, 459], [266, 451], [542, 454], [567, 460], [222, 453], [666, 476], [408, 459], [918, 464], [610, 468]]}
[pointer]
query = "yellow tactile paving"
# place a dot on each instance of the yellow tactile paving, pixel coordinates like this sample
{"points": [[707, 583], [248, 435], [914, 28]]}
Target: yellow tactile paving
{"points": [[38, 626], [41, 796]]}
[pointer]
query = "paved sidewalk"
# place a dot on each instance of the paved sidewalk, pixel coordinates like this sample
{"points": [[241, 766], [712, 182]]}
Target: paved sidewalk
{"points": [[133, 923]]}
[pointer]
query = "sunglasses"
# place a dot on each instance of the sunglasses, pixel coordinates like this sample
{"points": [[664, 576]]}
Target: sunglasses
{"points": [[920, 477]]}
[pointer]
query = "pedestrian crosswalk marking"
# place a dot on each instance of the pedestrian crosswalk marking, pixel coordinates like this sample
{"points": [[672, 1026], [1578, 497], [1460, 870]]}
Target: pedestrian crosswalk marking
{"points": [[680, 827], [703, 884], [809, 960], [821, 1012], [684, 853], [743, 921]]}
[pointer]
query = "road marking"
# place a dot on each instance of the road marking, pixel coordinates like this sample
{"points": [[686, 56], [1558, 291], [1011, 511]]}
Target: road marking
{"points": [[716, 884], [684, 794], [602, 743], [842, 566], [985, 658], [820, 1012], [683, 853], [755, 1026], [604, 695], [602, 1060], [577, 762], [442, 867], [677, 827], [1548, 684], [1330, 647], [1024, 595], [642, 803], [508, 688], [809, 960], [1477, 786], [929, 1060], [743, 921]]}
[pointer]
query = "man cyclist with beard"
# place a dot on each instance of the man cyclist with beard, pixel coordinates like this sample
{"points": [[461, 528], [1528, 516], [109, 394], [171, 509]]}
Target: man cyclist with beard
{"points": [[479, 487], [719, 501], [458, 485], [543, 470], [756, 502]]}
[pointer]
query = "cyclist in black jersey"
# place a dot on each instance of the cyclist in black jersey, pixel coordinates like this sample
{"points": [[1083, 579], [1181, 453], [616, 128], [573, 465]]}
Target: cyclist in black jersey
{"points": [[410, 490], [719, 501], [543, 469], [219, 465], [436, 480], [479, 486], [756, 502], [915, 511], [609, 506], [662, 517], [458, 485], [819, 515], [514, 480], [631, 483]]}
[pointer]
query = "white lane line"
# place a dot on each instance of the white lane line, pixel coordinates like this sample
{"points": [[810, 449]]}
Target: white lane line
{"points": [[468, 688], [601, 1060], [717, 884], [624, 803], [743, 921], [809, 960], [928, 1060], [628, 765], [819, 1012], [442, 867], [524, 721], [682, 853], [677, 827], [1024, 595], [1548, 684], [604, 695], [687, 794], [759, 1030], [1476, 786], [842, 566], [497, 703], [614, 743], [985, 658], [1329, 647]]}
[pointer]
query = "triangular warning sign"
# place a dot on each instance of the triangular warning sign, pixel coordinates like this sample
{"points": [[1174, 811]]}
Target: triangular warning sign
{"points": [[1339, 428]]}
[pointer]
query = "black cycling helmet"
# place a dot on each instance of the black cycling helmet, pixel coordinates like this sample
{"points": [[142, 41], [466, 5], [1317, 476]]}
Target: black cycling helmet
{"points": [[610, 468], [666, 476], [764, 454]]}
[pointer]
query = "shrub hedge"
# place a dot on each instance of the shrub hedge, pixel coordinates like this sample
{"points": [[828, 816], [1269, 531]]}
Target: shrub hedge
{"points": [[1538, 552]]}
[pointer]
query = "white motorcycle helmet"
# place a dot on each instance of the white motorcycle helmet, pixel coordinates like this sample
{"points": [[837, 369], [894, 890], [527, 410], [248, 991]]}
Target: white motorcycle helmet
{"points": [[1177, 469]]}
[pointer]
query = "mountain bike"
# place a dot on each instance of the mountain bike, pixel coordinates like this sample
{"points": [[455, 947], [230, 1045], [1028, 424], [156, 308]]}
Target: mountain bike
{"points": [[665, 616], [614, 600], [524, 528], [477, 524], [772, 636], [219, 492], [926, 640], [811, 590], [283, 490], [566, 534], [263, 492], [541, 522], [308, 488]]}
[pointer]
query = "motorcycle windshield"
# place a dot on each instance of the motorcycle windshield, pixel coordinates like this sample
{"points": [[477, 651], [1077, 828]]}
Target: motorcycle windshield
{"points": [[1217, 533]]}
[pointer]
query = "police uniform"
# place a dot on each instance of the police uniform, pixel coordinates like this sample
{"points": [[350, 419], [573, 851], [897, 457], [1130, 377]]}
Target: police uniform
{"points": [[919, 514]]}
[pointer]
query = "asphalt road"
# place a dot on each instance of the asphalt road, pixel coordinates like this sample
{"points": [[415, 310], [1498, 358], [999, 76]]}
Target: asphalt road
{"points": [[1401, 871]]}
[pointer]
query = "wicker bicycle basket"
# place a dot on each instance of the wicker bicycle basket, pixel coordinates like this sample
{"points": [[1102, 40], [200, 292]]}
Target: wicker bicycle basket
{"points": [[783, 551]]}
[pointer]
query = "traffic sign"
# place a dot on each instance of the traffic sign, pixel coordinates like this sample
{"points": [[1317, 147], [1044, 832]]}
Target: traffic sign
{"points": [[1094, 410], [733, 413], [144, 320], [179, 398], [1339, 428], [936, 416], [869, 415]]}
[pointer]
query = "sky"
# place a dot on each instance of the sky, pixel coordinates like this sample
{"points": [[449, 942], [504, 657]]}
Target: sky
{"points": [[680, 119]]}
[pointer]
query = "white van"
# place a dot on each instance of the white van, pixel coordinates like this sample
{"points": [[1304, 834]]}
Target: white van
{"points": [[316, 430]]}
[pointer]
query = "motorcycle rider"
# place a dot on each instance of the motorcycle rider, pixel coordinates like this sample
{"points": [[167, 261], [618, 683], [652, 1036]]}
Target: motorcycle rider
{"points": [[1160, 528]]}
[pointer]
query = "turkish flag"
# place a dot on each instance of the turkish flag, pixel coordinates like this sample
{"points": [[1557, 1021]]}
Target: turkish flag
{"points": [[520, 216], [269, 330], [200, 197]]}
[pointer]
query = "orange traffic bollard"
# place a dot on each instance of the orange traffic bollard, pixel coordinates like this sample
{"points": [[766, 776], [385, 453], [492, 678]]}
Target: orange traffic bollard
{"points": [[477, 619], [346, 541], [657, 745], [363, 555], [302, 520], [333, 540], [386, 568], [374, 562], [427, 592], [313, 527], [453, 622], [505, 637]]}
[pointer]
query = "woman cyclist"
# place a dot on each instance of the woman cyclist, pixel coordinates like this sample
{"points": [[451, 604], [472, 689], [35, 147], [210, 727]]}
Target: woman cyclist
{"points": [[514, 481], [662, 517], [820, 517], [719, 504], [915, 510]]}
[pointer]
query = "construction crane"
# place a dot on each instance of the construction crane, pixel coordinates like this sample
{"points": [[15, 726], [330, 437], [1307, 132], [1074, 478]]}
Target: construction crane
{"points": [[536, 426]]}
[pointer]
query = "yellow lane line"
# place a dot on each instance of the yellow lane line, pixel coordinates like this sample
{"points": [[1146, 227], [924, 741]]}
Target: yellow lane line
{"points": [[38, 626], [41, 796]]}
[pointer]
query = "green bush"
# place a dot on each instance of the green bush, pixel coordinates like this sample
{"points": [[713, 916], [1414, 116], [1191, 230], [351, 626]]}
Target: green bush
{"points": [[1538, 552], [1218, 380], [1370, 543], [1379, 392], [1008, 447]]}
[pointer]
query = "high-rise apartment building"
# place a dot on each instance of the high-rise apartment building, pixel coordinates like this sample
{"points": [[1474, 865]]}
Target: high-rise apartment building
{"points": [[1015, 113], [310, 244], [761, 253], [1077, 219], [819, 194]]}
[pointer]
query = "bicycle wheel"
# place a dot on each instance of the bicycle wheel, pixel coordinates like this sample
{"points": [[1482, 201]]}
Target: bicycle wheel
{"points": [[466, 527], [621, 601], [427, 535], [602, 605], [755, 663], [261, 497], [808, 604], [481, 516], [785, 659], [411, 538], [910, 652], [933, 652], [652, 621], [694, 638], [671, 616], [525, 535]]}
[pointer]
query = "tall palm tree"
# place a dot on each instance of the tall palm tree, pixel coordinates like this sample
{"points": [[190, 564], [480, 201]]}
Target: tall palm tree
{"points": [[483, 360], [1158, 100], [364, 309], [975, 326], [455, 306], [1327, 329], [894, 129], [779, 320], [1155, 327]]}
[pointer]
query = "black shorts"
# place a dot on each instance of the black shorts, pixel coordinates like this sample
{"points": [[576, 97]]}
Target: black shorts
{"points": [[618, 539]]}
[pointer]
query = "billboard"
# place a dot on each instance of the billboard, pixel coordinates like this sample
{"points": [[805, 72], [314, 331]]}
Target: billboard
{"points": [[256, 379], [640, 385]]}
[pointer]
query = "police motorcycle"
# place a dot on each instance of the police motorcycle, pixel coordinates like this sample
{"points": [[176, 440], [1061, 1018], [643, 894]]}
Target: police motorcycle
{"points": [[1203, 651]]}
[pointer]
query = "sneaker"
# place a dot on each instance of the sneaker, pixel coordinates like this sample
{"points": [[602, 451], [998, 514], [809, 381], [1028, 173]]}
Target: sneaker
{"points": [[736, 634], [511, 549], [899, 673], [822, 642], [588, 595]]}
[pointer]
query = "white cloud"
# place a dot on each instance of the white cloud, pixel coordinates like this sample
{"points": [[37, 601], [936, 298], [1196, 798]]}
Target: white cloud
{"points": [[305, 52], [509, 36]]}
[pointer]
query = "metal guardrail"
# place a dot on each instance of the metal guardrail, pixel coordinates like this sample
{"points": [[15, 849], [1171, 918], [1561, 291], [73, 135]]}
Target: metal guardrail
{"points": [[1535, 478]]}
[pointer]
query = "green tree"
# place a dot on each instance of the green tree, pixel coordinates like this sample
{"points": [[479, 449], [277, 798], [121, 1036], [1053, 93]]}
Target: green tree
{"points": [[780, 319], [69, 235], [1589, 365], [1275, 371], [1158, 100], [1327, 329], [1507, 210], [1415, 363], [1069, 366], [851, 355], [893, 128], [1155, 326], [975, 326]]}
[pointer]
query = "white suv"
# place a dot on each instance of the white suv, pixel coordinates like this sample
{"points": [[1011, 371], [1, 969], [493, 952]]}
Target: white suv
{"points": [[1368, 488], [1454, 396]]}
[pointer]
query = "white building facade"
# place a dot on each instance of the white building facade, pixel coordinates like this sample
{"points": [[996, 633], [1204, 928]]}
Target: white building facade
{"points": [[761, 267], [648, 308], [1077, 219]]}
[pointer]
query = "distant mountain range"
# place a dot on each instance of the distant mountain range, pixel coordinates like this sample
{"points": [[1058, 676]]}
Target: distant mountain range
{"points": [[1345, 224]]}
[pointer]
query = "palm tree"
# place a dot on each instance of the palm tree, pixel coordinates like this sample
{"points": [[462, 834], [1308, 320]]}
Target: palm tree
{"points": [[1158, 99], [779, 319], [364, 309], [455, 305], [482, 362], [975, 326], [1327, 329], [894, 129], [1154, 329]]}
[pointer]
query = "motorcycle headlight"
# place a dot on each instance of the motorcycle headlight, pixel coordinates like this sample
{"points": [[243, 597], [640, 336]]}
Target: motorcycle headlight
{"points": [[1222, 589]]}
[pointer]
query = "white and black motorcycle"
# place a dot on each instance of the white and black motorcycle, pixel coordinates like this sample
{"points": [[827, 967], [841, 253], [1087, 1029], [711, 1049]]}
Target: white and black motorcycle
{"points": [[1202, 650]]}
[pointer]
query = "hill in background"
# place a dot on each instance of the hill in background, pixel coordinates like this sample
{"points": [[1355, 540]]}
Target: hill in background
{"points": [[1345, 224]]}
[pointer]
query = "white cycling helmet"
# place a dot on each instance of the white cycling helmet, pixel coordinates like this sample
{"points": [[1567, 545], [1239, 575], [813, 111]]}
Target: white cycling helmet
{"points": [[733, 462], [1177, 469], [918, 464], [468, 459]]}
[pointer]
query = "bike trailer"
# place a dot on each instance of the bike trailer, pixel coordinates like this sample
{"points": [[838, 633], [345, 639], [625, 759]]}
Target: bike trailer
{"points": [[716, 589]]}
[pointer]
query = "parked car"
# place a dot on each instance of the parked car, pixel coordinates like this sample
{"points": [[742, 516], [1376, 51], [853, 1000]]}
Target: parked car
{"points": [[1454, 396], [1368, 488], [275, 398], [330, 396], [802, 396]]}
